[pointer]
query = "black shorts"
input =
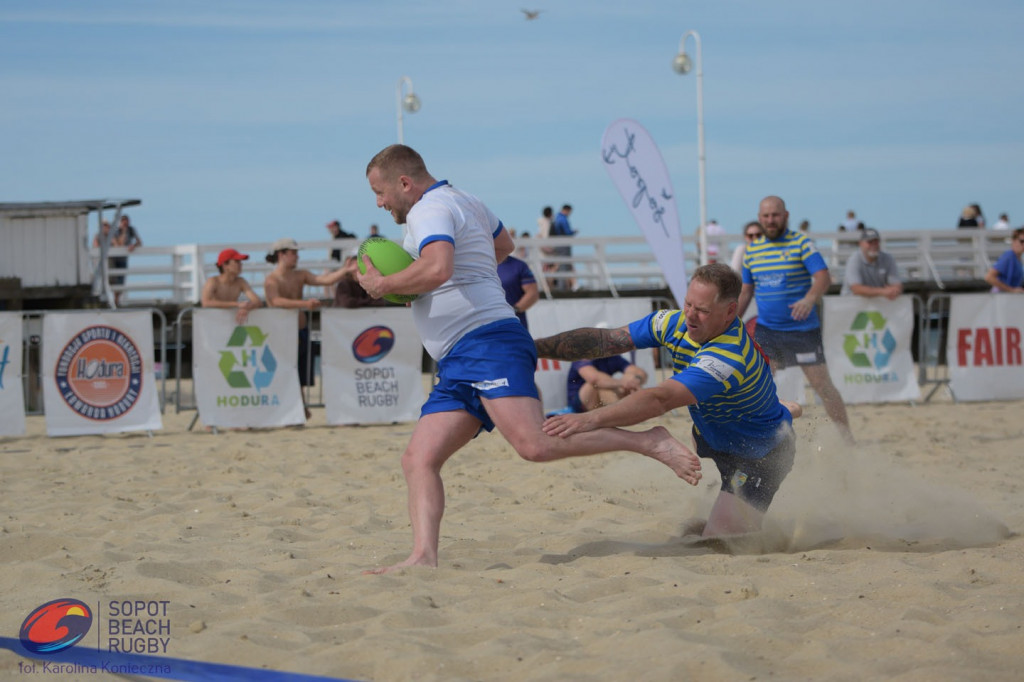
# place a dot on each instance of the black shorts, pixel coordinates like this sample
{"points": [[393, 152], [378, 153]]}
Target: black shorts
{"points": [[755, 481], [306, 377], [786, 349]]}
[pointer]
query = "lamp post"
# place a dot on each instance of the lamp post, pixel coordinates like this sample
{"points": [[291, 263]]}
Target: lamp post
{"points": [[410, 102], [682, 65]]}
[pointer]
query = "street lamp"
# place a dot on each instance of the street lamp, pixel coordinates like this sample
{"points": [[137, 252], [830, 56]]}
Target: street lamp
{"points": [[682, 65], [410, 102]]}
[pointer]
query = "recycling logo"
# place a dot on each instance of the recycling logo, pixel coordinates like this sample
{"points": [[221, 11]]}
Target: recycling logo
{"points": [[248, 362], [869, 344]]}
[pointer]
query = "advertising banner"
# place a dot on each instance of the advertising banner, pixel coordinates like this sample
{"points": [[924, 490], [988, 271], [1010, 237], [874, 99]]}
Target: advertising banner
{"points": [[638, 171], [98, 373], [372, 363], [983, 347], [867, 348], [247, 375], [548, 317], [12, 394]]}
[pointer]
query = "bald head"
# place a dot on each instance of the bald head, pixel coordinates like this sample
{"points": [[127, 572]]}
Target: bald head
{"points": [[773, 216]]}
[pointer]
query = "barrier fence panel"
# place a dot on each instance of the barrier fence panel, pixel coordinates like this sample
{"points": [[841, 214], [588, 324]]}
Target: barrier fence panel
{"points": [[933, 371], [32, 349]]}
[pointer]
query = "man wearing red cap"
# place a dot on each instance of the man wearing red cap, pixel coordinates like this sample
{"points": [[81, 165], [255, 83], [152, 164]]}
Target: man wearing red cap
{"points": [[226, 289]]}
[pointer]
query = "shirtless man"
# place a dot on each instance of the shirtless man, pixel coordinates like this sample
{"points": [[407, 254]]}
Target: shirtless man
{"points": [[283, 287], [226, 289]]}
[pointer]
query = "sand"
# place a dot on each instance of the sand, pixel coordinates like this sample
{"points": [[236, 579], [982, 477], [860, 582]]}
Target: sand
{"points": [[900, 559]]}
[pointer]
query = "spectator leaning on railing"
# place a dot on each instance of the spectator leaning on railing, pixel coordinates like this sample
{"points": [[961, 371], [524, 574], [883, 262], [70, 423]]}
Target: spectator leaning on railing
{"points": [[871, 271], [1007, 274]]}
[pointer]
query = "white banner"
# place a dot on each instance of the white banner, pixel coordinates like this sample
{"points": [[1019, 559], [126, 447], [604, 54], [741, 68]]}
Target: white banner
{"points": [[983, 347], [372, 363], [548, 317], [98, 373], [638, 171], [247, 375], [867, 348], [12, 394]]}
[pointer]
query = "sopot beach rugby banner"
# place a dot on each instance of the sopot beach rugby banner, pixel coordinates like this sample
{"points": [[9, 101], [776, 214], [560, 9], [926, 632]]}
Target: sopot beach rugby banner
{"points": [[247, 375], [98, 373], [372, 362], [12, 396], [638, 170]]}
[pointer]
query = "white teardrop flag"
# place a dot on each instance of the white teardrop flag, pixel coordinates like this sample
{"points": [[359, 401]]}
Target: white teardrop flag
{"points": [[638, 171]]}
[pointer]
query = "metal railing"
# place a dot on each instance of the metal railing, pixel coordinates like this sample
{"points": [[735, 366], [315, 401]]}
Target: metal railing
{"points": [[936, 259]]}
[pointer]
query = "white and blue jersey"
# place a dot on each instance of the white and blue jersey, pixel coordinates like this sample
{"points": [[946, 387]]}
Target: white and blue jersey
{"points": [[781, 271], [473, 296], [737, 409]]}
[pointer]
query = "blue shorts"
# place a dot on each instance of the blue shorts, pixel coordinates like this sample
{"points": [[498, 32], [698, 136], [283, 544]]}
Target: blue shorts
{"points": [[497, 360]]}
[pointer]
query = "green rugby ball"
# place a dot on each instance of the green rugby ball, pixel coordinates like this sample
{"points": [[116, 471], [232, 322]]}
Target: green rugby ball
{"points": [[389, 257]]}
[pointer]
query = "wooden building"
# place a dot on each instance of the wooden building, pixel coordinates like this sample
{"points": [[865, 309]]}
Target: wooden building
{"points": [[44, 252]]}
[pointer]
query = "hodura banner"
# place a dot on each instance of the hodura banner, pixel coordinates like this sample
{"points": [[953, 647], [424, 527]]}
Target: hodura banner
{"points": [[548, 317], [983, 346], [247, 375], [98, 373], [867, 348], [372, 363], [638, 171], [12, 395]]}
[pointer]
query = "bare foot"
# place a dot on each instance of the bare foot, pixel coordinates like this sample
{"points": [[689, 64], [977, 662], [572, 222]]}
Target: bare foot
{"points": [[411, 561], [674, 455]]}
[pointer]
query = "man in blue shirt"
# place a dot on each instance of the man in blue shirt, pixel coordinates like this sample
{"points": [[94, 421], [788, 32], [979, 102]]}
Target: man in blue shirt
{"points": [[720, 375], [1007, 274], [788, 276]]}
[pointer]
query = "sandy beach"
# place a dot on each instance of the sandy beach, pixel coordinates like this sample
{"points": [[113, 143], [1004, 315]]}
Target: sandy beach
{"points": [[899, 559]]}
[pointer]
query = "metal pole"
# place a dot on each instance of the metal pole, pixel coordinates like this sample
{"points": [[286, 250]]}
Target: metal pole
{"points": [[700, 144]]}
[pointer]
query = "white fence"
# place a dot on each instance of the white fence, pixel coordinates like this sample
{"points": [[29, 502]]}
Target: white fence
{"points": [[175, 274]]}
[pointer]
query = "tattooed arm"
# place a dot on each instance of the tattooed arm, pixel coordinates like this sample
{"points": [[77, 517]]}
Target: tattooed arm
{"points": [[587, 343]]}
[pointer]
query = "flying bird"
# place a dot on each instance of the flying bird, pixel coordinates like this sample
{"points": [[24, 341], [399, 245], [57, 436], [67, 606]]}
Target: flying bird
{"points": [[532, 14]]}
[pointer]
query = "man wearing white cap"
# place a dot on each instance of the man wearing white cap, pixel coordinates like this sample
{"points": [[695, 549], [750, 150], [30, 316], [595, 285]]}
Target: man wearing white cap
{"points": [[283, 287], [872, 272], [226, 290]]}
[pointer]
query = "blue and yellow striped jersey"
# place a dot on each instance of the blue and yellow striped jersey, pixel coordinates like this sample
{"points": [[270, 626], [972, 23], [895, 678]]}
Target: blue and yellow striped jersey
{"points": [[780, 271], [737, 409]]}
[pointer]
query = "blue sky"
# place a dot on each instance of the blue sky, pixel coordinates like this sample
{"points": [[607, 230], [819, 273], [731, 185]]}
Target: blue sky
{"points": [[254, 119]]}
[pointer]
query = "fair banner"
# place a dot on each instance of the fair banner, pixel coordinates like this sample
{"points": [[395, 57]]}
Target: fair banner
{"points": [[12, 394], [372, 365], [868, 348], [551, 316], [983, 346], [98, 373], [247, 375], [638, 171]]}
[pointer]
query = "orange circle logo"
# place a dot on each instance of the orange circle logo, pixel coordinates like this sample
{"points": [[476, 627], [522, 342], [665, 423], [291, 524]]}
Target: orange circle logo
{"points": [[99, 373]]}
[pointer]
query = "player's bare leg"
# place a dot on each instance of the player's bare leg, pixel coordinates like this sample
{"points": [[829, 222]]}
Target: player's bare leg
{"points": [[436, 438], [520, 421]]}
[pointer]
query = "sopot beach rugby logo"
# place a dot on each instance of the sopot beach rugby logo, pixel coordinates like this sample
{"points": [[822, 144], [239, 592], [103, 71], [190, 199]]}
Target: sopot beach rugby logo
{"points": [[55, 626], [99, 373]]}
